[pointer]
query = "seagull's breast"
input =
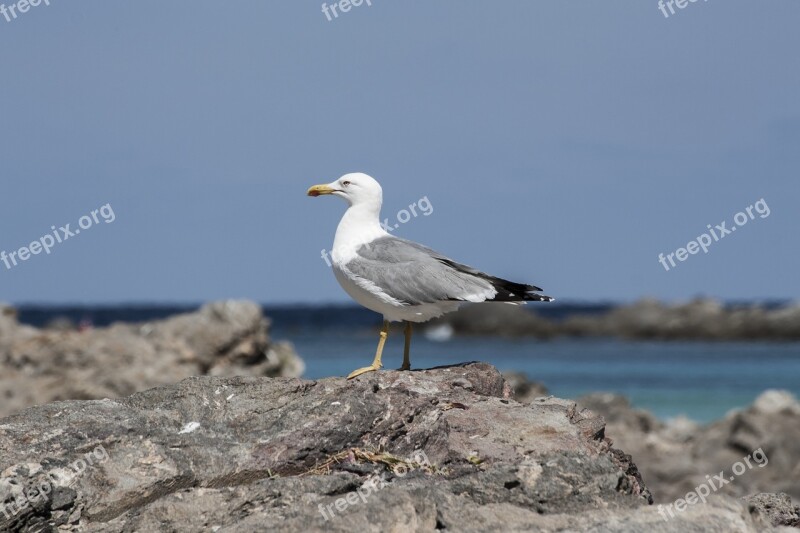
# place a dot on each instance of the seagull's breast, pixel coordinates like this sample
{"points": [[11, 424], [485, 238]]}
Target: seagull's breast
{"points": [[364, 291]]}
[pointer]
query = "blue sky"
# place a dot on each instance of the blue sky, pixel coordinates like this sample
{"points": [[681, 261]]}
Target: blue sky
{"points": [[564, 144]]}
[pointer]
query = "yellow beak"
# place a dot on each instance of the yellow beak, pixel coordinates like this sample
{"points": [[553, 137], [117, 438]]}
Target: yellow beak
{"points": [[317, 190]]}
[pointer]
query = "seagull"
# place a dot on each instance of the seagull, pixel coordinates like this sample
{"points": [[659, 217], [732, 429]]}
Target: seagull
{"points": [[400, 279]]}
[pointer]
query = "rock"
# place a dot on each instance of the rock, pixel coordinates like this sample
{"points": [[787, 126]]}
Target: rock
{"points": [[777, 508], [523, 389], [776, 402], [618, 413], [221, 339], [390, 451], [248, 452], [9, 328], [759, 447], [775, 432], [680, 429], [700, 319], [61, 324]]}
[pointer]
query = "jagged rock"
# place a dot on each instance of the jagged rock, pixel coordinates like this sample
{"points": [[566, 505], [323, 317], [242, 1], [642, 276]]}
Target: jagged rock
{"points": [[776, 402], [390, 451], [266, 449], [775, 431], [778, 508], [677, 456], [523, 389], [618, 413], [221, 339]]}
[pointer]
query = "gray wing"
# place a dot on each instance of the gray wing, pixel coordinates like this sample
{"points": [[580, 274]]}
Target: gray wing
{"points": [[415, 274]]}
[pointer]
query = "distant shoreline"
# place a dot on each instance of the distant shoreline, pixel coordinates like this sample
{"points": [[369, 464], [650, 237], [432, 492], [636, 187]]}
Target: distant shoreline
{"points": [[647, 319]]}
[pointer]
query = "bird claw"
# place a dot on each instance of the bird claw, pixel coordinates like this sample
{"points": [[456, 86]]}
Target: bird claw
{"points": [[355, 373]]}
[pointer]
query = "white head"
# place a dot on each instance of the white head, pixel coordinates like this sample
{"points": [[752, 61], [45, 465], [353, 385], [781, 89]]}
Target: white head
{"points": [[357, 188]]}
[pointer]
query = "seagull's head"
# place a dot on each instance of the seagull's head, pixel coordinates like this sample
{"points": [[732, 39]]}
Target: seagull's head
{"points": [[356, 188]]}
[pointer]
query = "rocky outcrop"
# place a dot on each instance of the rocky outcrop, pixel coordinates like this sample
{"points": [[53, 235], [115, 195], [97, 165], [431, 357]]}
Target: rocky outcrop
{"points": [[700, 319], [646, 319], [523, 388], [440, 449], [679, 455], [777, 508], [221, 339]]}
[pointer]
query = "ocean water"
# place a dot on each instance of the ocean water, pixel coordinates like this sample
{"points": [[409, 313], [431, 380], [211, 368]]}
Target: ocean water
{"points": [[698, 379], [702, 380]]}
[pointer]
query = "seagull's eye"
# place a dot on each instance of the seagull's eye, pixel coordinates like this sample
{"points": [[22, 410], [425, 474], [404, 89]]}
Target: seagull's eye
{"points": [[345, 183]]}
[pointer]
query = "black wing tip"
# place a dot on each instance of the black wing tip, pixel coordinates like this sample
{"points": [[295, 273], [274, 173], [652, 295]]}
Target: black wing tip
{"points": [[508, 291], [539, 298]]}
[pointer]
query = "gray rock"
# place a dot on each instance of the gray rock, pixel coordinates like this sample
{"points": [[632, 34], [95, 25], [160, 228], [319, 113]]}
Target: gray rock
{"points": [[677, 456], [646, 319], [221, 339], [247, 452], [777, 508], [524, 389], [390, 451], [618, 413], [699, 319]]}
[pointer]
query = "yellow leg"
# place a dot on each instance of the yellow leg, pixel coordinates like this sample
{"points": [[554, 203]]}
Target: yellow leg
{"points": [[376, 364], [407, 349]]}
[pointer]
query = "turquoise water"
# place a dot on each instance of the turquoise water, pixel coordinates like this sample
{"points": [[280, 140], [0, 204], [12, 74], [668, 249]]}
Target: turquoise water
{"points": [[700, 380]]}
